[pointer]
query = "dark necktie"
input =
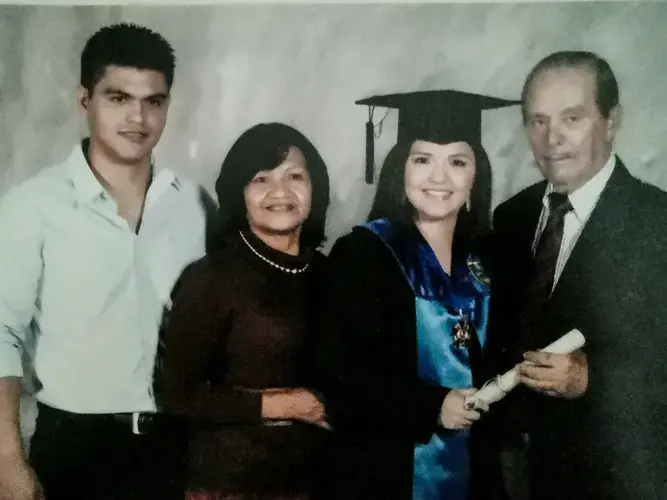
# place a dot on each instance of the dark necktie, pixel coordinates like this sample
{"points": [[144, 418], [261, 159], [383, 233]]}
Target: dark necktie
{"points": [[543, 270]]}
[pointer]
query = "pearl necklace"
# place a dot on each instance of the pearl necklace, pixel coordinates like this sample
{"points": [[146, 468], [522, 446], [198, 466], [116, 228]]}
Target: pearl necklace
{"points": [[271, 263]]}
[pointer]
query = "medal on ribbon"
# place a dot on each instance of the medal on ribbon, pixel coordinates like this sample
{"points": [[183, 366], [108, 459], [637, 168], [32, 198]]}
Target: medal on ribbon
{"points": [[462, 330]]}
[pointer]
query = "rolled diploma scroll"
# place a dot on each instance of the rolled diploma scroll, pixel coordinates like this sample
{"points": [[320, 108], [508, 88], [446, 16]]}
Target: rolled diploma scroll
{"points": [[495, 389]]}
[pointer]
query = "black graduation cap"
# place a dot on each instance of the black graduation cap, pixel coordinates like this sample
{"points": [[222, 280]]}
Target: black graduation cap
{"points": [[432, 115]]}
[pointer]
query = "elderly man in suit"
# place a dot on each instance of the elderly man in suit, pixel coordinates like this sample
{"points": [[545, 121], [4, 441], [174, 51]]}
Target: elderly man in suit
{"points": [[586, 248]]}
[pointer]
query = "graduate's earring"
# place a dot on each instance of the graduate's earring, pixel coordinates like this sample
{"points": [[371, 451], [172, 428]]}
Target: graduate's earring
{"points": [[468, 204]]}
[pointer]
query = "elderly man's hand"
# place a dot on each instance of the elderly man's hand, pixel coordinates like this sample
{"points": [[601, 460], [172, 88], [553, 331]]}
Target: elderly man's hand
{"points": [[557, 375]]}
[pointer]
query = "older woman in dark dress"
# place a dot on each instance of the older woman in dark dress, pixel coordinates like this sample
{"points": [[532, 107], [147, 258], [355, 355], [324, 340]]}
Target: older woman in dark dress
{"points": [[238, 339]]}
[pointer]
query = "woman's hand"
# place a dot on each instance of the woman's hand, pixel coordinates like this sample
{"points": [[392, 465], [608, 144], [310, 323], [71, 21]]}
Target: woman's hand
{"points": [[453, 414], [307, 407], [293, 404]]}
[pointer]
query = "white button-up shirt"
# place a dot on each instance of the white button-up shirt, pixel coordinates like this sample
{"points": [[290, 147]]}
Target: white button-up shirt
{"points": [[91, 292], [583, 202]]}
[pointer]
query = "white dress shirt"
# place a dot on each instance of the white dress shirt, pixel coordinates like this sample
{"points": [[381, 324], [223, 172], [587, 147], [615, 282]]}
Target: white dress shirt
{"points": [[91, 291], [583, 202]]}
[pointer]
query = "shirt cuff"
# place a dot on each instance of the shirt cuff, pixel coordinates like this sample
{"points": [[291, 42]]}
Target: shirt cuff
{"points": [[10, 362]]}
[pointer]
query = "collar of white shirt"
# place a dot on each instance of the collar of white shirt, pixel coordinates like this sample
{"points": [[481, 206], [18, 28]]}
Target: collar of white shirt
{"points": [[89, 188], [583, 200]]}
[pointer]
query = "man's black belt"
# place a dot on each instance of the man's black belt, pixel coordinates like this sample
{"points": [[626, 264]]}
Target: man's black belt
{"points": [[139, 423]]}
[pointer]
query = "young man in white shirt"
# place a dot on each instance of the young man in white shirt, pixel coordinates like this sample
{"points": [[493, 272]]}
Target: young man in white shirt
{"points": [[91, 249]]}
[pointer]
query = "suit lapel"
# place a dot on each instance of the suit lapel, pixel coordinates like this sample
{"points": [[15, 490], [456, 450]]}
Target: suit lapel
{"points": [[526, 224], [592, 246]]}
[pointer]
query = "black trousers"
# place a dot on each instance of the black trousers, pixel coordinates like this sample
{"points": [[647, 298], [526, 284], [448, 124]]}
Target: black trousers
{"points": [[99, 458]]}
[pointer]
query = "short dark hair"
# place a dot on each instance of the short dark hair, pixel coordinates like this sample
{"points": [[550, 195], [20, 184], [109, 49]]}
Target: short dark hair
{"points": [[264, 147], [125, 45], [391, 201], [606, 92]]}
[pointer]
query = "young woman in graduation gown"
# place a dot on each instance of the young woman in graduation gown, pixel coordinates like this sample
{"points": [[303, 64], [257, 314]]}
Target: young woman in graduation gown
{"points": [[238, 339], [405, 327]]}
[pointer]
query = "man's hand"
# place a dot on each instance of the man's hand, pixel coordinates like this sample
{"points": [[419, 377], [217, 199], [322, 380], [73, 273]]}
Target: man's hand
{"points": [[557, 375], [17, 480]]}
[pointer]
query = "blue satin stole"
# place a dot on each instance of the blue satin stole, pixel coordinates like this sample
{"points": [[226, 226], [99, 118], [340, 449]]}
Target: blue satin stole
{"points": [[441, 466]]}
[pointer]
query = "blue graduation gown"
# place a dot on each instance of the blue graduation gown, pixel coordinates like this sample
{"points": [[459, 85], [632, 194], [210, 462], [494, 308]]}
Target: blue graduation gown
{"points": [[442, 301]]}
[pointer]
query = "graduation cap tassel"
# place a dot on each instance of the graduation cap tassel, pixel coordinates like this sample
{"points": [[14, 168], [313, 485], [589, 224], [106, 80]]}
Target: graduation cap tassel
{"points": [[370, 151]]}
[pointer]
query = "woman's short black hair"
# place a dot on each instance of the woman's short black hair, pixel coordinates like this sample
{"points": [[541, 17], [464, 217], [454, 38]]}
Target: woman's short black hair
{"points": [[264, 147], [391, 201]]}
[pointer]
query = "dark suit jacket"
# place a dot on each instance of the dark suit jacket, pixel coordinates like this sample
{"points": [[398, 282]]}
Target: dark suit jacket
{"points": [[612, 442]]}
